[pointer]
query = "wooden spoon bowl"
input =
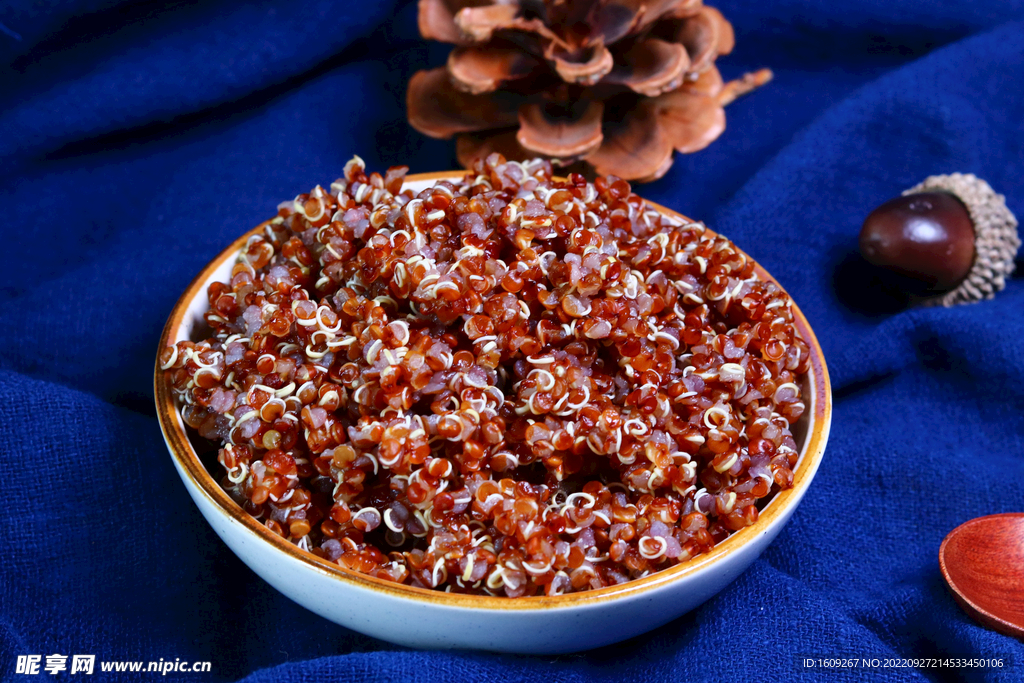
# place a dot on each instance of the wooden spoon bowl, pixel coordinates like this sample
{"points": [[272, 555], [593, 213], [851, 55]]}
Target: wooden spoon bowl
{"points": [[982, 560]]}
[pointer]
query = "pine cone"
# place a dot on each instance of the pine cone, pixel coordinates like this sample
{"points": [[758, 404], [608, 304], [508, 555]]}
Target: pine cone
{"points": [[617, 84]]}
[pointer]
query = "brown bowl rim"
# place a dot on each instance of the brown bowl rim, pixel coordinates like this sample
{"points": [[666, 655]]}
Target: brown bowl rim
{"points": [[189, 463]]}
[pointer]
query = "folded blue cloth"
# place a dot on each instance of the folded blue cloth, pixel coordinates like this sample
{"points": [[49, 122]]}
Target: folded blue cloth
{"points": [[138, 142]]}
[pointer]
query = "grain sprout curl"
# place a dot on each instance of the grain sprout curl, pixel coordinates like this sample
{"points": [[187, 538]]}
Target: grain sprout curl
{"points": [[649, 553]]}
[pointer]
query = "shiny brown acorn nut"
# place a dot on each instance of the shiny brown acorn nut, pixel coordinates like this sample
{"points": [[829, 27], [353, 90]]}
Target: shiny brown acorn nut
{"points": [[927, 236], [952, 235]]}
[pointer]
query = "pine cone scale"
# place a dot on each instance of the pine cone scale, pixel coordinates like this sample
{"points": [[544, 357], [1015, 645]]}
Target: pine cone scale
{"points": [[651, 67], [695, 120], [705, 38], [478, 70], [636, 148], [587, 71], [562, 137], [471, 146], [726, 34], [436, 19], [478, 24], [612, 21], [708, 83], [436, 108]]}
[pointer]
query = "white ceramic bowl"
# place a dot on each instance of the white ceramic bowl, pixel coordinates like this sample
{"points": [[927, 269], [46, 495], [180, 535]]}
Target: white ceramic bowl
{"points": [[429, 619]]}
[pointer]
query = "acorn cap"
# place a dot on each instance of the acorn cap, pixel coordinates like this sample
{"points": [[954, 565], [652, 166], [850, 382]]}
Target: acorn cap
{"points": [[995, 236]]}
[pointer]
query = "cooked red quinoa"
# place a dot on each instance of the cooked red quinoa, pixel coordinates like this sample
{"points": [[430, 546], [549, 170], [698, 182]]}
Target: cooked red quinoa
{"points": [[508, 384]]}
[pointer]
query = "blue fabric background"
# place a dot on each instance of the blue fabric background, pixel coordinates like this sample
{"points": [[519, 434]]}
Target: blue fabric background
{"points": [[135, 143]]}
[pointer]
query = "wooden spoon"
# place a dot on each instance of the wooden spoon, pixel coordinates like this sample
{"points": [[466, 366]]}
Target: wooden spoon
{"points": [[983, 563]]}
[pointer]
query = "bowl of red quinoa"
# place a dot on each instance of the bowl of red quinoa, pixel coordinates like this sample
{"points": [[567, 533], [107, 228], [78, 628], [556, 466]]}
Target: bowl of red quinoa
{"points": [[491, 409]]}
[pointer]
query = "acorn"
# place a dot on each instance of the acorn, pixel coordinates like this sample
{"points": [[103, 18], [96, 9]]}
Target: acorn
{"points": [[951, 234]]}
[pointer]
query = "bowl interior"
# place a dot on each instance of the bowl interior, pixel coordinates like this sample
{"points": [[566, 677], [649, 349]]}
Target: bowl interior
{"points": [[186, 323]]}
